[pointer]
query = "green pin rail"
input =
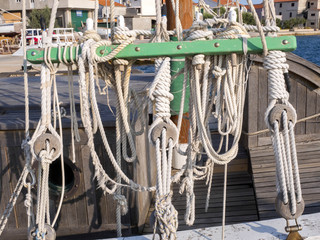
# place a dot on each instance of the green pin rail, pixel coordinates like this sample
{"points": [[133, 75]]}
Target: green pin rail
{"points": [[175, 49]]}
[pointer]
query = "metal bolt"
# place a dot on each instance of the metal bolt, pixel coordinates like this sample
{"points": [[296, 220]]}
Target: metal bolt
{"points": [[137, 49], [179, 47], [284, 42], [102, 52], [33, 53], [217, 44]]}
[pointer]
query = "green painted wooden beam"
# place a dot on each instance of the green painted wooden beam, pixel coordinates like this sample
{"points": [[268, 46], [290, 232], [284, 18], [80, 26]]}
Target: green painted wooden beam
{"points": [[178, 49]]}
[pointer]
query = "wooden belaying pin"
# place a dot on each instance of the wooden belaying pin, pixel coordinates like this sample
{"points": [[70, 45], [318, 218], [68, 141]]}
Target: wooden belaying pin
{"points": [[199, 66], [121, 68], [234, 62]]}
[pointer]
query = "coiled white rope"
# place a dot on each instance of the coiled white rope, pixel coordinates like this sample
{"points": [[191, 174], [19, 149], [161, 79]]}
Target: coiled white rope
{"points": [[288, 180]]}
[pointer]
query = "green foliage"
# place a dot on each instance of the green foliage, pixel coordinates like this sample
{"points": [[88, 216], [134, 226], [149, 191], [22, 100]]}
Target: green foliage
{"points": [[278, 22], [248, 18], [208, 15], [35, 16], [293, 22], [222, 11]]}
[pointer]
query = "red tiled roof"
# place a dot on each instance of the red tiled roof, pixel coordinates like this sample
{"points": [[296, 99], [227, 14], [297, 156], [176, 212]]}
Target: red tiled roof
{"points": [[286, 1], [256, 6], [227, 2], [116, 4]]}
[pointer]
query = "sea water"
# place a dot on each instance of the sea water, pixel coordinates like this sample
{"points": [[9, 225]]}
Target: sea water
{"points": [[308, 47]]}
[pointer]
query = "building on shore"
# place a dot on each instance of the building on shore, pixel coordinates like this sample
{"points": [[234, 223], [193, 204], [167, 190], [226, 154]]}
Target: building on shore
{"points": [[287, 9], [104, 12], [70, 13], [313, 10]]}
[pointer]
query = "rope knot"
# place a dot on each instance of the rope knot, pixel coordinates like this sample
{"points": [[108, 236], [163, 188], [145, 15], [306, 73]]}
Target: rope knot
{"points": [[166, 216], [160, 89], [198, 59], [218, 72], [90, 34], [121, 62], [28, 201], [122, 34], [275, 63], [46, 155], [122, 201], [199, 31], [25, 144]]}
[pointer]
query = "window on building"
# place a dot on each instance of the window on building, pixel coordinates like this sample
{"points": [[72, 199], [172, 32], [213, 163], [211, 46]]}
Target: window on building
{"points": [[280, 13], [292, 4], [18, 1], [290, 15], [312, 4], [312, 23], [313, 14], [308, 6], [32, 1], [280, 5], [138, 10]]}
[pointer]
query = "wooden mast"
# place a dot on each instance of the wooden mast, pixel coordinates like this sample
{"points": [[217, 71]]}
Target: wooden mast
{"points": [[186, 18]]}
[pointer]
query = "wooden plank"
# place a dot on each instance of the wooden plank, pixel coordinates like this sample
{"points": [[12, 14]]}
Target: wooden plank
{"points": [[81, 204], [262, 100], [300, 128], [293, 92], [318, 111], [5, 187], [263, 168], [311, 110], [252, 105], [89, 186]]}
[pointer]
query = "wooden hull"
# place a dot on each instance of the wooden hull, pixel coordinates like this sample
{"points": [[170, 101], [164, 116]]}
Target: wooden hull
{"points": [[87, 212]]}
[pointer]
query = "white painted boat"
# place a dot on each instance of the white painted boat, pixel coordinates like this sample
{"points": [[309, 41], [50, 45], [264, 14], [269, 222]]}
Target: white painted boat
{"points": [[9, 28]]}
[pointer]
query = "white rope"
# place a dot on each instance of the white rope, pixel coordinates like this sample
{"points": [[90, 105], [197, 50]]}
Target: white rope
{"points": [[47, 40], [96, 10], [103, 179], [288, 181]]}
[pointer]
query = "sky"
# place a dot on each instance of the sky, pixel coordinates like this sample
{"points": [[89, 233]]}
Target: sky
{"points": [[244, 2]]}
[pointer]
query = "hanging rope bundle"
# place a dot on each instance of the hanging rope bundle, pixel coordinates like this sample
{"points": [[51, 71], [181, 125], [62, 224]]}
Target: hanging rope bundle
{"points": [[280, 118], [163, 134], [217, 84]]}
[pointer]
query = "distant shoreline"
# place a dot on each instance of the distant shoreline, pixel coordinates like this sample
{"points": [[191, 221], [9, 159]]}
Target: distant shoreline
{"points": [[299, 32]]}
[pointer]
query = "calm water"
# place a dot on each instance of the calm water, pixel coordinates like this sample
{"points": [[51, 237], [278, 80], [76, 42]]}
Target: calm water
{"points": [[309, 48]]}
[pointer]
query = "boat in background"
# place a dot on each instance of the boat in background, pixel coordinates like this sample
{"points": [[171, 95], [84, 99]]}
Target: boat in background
{"points": [[61, 37]]}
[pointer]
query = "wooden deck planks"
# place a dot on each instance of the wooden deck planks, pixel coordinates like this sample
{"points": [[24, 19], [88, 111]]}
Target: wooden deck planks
{"points": [[241, 204], [264, 177]]}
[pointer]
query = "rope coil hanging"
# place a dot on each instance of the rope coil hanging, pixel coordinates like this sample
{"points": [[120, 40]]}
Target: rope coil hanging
{"points": [[218, 81]]}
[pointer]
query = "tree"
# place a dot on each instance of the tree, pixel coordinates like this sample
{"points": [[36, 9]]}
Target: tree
{"points": [[208, 15], [278, 23], [293, 22], [222, 10], [248, 18], [40, 17]]}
